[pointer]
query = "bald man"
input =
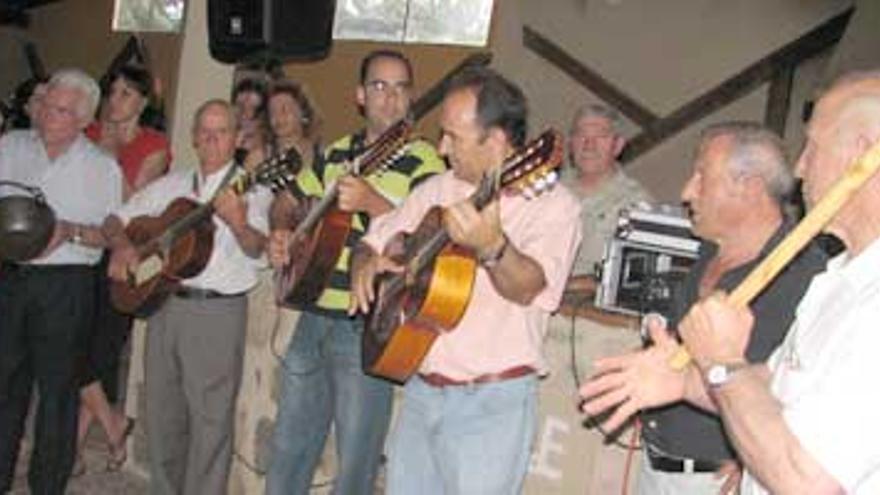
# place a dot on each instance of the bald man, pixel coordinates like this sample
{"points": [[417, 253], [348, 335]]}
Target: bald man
{"points": [[195, 342]]}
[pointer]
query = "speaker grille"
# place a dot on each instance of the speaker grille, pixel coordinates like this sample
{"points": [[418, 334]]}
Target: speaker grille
{"points": [[293, 29]]}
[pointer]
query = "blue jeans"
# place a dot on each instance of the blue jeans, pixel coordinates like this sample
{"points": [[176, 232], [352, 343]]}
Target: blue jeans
{"points": [[463, 440], [322, 383]]}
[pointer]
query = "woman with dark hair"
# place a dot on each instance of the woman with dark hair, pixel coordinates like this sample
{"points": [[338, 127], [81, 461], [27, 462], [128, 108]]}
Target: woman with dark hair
{"points": [[249, 99], [143, 155], [293, 122], [142, 152]]}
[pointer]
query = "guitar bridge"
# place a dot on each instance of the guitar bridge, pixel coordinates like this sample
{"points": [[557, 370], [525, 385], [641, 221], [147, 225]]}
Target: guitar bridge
{"points": [[148, 269]]}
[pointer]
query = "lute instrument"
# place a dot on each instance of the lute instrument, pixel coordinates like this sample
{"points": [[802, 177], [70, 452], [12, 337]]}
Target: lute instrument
{"points": [[177, 244], [320, 234], [431, 294]]}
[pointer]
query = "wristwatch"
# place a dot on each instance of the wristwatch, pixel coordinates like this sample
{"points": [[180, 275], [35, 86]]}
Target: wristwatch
{"points": [[720, 373], [492, 259]]}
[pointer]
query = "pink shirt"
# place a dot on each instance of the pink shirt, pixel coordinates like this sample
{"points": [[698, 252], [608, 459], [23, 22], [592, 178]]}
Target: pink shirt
{"points": [[496, 334]]}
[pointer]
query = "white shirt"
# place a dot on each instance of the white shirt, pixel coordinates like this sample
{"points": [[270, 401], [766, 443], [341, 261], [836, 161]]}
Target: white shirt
{"points": [[825, 373], [229, 269], [82, 185]]}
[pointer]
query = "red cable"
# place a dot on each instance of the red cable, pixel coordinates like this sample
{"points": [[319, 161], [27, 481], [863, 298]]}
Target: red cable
{"points": [[637, 429]]}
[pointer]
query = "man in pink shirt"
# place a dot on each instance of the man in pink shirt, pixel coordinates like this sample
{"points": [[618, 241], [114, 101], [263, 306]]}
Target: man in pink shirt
{"points": [[468, 417]]}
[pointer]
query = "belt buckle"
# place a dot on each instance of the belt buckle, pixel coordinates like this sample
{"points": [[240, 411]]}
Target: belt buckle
{"points": [[687, 466]]}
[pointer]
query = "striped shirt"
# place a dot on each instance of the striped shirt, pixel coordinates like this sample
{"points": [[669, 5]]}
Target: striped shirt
{"points": [[393, 182]]}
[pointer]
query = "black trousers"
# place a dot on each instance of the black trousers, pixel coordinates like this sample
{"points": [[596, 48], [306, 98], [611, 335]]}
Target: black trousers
{"points": [[46, 316], [108, 337]]}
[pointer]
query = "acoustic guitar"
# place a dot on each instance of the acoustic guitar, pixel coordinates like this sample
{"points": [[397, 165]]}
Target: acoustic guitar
{"points": [[320, 235], [322, 228], [432, 293], [177, 244]]}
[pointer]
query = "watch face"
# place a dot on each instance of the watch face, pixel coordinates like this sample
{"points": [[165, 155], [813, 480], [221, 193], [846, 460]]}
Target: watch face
{"points": [[717, 374]]}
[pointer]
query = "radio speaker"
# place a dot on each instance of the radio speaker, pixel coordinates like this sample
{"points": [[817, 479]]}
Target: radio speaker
{"points": [[241, 30]]}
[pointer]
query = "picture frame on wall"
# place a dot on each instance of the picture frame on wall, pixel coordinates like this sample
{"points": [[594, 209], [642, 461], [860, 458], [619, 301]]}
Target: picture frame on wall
{"points": [[148, 15], [446, 22]]}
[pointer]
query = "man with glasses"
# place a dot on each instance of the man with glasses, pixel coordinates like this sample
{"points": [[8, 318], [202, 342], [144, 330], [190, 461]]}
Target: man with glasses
{"points": [[323, 382]]}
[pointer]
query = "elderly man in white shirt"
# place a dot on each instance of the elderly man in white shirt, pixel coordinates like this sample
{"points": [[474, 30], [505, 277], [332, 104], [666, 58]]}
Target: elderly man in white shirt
{"points": [[46, 304], [195, 342]]}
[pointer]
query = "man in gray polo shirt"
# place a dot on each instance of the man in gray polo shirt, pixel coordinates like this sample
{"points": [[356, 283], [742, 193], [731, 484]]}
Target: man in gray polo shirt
{"points": [[735, 196], [600, 184], [46, 305]]}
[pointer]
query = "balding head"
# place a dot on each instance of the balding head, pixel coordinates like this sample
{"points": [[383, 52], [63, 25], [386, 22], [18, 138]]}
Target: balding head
{"points": [[739, 182], [214, 127], [754, 150], [845, 125]]}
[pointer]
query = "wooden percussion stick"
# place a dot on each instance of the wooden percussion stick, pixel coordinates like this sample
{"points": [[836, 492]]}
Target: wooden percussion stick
{"points": [[857, 174]]}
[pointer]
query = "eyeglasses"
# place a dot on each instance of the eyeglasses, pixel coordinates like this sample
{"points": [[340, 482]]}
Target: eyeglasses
{"points": [[387, 87]]}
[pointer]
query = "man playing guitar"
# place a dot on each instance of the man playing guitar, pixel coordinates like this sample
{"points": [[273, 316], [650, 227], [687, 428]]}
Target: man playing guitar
{"points": [[474, 397], [323, 379], [195, 342]]}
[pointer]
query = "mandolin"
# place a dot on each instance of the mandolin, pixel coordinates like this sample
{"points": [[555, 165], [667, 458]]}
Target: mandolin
{"points": [[177, 244], [432, 292], [320, 234]]}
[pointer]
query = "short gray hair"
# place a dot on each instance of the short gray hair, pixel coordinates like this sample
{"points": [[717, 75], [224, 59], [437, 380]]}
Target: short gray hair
{"points": [[600, 111], [77, 79], [755, 150]]}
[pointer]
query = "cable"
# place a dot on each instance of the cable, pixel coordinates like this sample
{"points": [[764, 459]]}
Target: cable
{"points": [[280, 359], [252, 466], [591, 422], [636, 433], [248, 464]]}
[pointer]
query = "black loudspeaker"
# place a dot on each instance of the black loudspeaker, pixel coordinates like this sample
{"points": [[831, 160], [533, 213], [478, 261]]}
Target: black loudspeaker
{"points": [[241, 30]]}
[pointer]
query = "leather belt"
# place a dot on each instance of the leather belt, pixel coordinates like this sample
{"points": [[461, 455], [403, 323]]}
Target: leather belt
{"points": [[195, 293], [27, 268], [438, 380], [681, 465]]}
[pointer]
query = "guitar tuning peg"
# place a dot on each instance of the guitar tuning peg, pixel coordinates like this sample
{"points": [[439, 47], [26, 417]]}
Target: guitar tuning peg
{"points": [[540, 184], [529, 193], [552, 177]]}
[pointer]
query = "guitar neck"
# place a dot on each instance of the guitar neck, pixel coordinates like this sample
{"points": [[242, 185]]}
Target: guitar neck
{"points": [[238, 186]]}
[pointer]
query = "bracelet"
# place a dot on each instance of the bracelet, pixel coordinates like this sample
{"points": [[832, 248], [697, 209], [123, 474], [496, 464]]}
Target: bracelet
{"points": [[492, 259]]}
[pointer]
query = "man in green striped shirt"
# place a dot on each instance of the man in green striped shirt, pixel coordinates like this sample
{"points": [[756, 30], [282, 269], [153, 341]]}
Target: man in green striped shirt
{"points": [[323, 382]]}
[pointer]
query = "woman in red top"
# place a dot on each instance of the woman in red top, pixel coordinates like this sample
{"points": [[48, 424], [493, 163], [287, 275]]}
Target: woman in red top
{"points": [[143, 154]]}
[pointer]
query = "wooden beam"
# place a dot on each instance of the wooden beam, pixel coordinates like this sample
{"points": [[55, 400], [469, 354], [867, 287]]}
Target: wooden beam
{"points": [[778, 99], [588, 78], [807, 46], [433, 96]]}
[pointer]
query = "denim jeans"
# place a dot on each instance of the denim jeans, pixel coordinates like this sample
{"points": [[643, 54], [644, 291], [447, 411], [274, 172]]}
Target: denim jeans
{"points": [[463, 440], [323, 383]]}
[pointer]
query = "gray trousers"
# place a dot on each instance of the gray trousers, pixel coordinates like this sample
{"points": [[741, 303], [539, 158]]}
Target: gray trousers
{"points": [[193, 367]]}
